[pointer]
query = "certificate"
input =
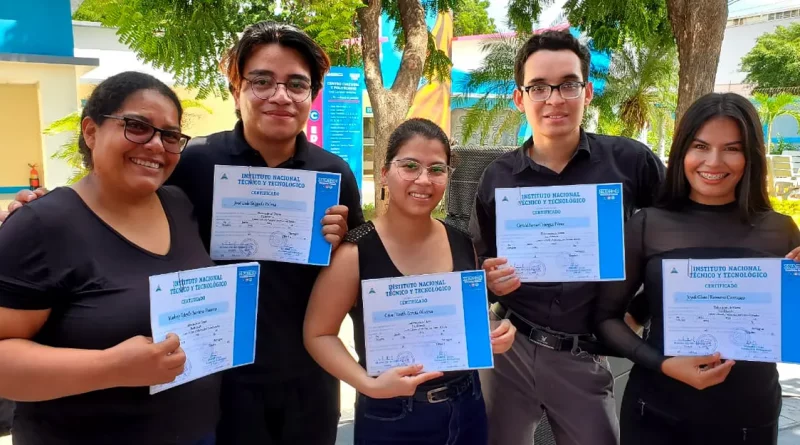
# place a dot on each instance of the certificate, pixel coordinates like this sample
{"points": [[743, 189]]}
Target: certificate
{"points": [[440, 321], [562, 233], [742, 308], [272, 214], [213, 312]]}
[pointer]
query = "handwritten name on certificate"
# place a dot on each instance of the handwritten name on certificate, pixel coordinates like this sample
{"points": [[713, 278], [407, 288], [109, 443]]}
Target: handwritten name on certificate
{"points": [[742, 308], [440, 321], [562, 233], [272, 214], [213, 312]]}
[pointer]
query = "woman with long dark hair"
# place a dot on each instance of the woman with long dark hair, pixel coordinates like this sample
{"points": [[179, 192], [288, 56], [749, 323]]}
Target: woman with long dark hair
{"points": [[714, 205]]}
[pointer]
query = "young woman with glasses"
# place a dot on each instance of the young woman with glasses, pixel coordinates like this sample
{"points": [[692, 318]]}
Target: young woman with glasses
{"points": [[75, 343], [397, 407], [714, 205]]}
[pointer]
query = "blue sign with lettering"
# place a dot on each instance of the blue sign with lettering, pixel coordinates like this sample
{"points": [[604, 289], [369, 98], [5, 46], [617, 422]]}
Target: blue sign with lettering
{"points": [[342, 117]]}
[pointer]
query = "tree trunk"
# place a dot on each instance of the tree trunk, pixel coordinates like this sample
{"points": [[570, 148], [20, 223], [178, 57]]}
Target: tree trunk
{"points": [[390, 106], [662, 137], [698, 27]]}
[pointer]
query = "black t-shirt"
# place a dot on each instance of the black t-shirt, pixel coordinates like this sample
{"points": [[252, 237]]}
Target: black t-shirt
{"points": [[374, 262], [751, 394], [57, 254], [284, 288]]}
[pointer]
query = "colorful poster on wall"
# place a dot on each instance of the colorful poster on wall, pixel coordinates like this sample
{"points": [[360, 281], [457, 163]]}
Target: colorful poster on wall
{"points": [[336, 119], [314, 126], [343, 125]]}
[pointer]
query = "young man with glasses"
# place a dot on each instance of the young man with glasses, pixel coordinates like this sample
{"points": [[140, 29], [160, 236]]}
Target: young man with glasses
{"points": [[285, 398], [575, 389], [275, 71]]}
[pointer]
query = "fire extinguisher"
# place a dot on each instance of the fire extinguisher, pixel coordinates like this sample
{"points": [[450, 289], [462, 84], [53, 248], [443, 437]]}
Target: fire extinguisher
{"points": [[34, 178]]}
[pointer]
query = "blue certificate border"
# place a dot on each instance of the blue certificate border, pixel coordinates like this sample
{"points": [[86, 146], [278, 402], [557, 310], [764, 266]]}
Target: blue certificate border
{"points": [[244, 330], [790, 308], [327, 189], [611, 231], [476, 319]]}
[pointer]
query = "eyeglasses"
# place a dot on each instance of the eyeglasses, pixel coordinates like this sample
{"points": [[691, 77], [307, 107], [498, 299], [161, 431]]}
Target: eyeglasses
{"points": [[411, 170], [140, 132], [264, 87], [540, 92]]}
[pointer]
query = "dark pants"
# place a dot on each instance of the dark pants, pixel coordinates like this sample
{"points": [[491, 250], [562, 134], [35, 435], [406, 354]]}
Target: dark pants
{"points": [[6, 415], [405, 421], [643, 422], [300, 411]]}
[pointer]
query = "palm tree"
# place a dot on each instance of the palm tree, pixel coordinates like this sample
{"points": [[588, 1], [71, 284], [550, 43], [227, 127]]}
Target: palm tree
{"points": [[771, 107], [494, 81], [71, 123], [641, 89]]}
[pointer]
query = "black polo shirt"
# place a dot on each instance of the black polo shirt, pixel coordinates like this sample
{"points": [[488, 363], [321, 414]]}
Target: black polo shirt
{"points": [[284, 288], [564, 307]]}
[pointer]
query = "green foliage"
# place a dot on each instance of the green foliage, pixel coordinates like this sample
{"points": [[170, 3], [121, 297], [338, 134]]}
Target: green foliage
{"points": [[333, 25], [94, 10], [774, 61], [771, 107], [610, 23], [188, 39], [781, 146], [69, 151], [523, 14], [471, 18], [641, 88], [496, 77]]}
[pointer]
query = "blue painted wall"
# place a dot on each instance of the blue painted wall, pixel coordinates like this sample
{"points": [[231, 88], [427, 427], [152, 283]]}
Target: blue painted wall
{"points": [[37, 27]]}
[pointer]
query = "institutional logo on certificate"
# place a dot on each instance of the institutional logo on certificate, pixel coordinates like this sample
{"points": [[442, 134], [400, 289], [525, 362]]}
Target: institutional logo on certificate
{"points": [[562, 233], [440, 321], [741, 308], [272, 214], [213, 312]]}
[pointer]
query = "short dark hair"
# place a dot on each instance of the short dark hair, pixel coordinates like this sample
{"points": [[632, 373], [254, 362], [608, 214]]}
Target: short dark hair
{"points": [[751, 192], [551, 41], [411, 128], [108, 97], [266, 32]]}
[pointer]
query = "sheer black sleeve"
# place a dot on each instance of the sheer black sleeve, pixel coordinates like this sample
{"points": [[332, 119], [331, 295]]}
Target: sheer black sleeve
{"points": [[794, 235], [615, 297]]}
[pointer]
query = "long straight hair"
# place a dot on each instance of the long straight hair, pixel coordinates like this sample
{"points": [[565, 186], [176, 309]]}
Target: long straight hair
{"points": [[751, 191]]}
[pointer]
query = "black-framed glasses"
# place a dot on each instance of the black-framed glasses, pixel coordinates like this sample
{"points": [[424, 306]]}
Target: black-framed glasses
{"points": [[140, 132], [411, 170], [264, 87], [540, 92]]}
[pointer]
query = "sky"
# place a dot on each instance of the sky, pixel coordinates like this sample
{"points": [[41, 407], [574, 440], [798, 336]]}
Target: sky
{"points": [[497, 9]]}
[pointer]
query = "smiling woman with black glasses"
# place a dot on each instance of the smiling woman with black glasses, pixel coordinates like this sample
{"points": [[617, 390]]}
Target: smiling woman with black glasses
{"points": [[75, 342]]}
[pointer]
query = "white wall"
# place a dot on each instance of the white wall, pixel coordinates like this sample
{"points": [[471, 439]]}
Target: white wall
{"points": [[58, 92], [738, 41]]}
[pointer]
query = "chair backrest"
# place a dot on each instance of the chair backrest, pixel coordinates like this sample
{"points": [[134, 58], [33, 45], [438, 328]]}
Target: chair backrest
{"points": [[469, 162]]}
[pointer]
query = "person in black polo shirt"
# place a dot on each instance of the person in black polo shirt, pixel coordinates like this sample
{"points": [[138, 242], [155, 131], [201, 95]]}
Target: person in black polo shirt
{"points": [[284, 398], [275, 71], [576, 389]]}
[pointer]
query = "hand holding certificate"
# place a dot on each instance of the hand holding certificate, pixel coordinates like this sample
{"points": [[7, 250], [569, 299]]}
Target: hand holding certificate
{"points": [[213, 313], [272, 214], [741, 308], [562, 233], [438, 321]]}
